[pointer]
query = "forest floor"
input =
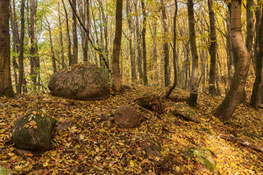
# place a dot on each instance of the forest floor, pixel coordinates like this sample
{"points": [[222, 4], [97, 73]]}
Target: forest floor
{"points": [[86, 141]]}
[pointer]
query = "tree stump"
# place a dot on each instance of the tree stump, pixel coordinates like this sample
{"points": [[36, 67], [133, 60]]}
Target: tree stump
{"points": [[152, 102]]}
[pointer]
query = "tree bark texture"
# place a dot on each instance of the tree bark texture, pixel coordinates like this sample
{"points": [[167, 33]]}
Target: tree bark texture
{"points": [[259, 57], [212, 49], [131, 31], [165, 46], [75, 36], [21, 81], [5, 76], [174, 53], [116, 85], [235, 94], [61, 38], [144, 52], [68, 34], [34, 58], [194, 77]]}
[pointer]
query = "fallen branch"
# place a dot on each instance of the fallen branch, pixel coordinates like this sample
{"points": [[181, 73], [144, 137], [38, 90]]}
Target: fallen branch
{"points": [[242, 142]]}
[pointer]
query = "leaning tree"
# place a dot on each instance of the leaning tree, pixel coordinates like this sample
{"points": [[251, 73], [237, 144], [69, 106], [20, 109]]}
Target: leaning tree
{"points": [[235, 95]]}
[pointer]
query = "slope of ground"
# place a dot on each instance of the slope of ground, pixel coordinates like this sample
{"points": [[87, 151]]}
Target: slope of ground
{"points": [[86, 141]]}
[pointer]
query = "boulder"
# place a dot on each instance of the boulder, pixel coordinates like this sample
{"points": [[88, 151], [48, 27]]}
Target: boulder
{"points": [[126, 117], [186, 112], [80, 82], [33, 132]]}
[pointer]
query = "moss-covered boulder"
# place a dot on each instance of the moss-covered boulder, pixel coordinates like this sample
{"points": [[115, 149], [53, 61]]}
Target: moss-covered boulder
{"points": [[80, 82], [202, 156], [33, 131], [186, 112]]}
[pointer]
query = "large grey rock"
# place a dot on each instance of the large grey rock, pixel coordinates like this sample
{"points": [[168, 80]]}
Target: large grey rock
{"points": [[126, 117], [33, 132], [80, 82]]}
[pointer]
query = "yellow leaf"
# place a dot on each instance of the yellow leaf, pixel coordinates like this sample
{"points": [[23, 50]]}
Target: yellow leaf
{"points": [[11, 154], [81, 137], [18, 168], [131, 163], [45, 164]]}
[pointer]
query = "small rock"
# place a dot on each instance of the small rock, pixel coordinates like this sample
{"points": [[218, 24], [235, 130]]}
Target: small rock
{"points": [[126, 117]]}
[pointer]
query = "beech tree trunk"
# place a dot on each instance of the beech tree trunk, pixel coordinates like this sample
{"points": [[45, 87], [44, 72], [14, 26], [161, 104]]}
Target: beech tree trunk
{"points": [[5, 76], [165, 46], [14, 25], [259, 57], [131, 31], [61, 37], [212, 49], [68, 34], [116, 85], [250, 26], [21, 81], [174, 53], [145, 79], [86, 40], [194, 78], [53, 57], [235, 94], [34, 59], [139, 51], [75, 36]]}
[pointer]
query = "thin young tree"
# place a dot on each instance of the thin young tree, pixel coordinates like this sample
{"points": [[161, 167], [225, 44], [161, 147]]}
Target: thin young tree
{"points": [[5, 75], [194, 78], [174, 52], [144, 52], [21, 81], [235, 94], [116, 85], [75, 35], [68, 33]]}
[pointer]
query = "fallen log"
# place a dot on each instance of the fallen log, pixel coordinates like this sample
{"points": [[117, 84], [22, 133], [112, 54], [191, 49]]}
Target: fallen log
{"points": [[242, 142]]}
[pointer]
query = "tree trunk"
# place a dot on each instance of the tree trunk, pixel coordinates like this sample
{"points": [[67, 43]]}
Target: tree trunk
{"points": [[21, 81], [68, 34], [53, 57], [34, 59], [75, 36], [165, 46], [61, 37], [145, 79], [16, 39], [194, 78], [259, 57], [131, 31], [5, 75], [116, 86], [212, 49], [235, 94], [139, 52], [86, 40], [250, 28], [174, 53]]}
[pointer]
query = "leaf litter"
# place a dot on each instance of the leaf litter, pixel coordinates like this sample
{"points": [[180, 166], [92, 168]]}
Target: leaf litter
{"points": [[86, 141]]}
